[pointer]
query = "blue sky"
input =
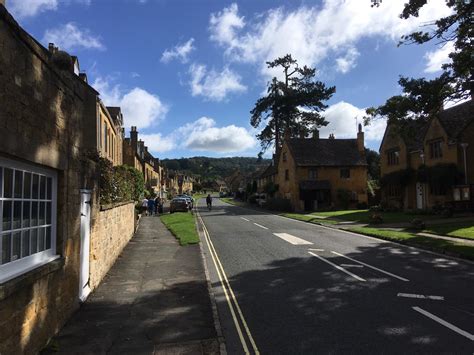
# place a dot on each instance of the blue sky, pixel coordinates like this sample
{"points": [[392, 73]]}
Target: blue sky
{"points": [[187, 72]]}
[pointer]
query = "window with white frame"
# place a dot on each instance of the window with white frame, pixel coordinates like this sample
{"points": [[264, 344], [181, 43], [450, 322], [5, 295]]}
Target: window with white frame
{"points": [[28, 213]]}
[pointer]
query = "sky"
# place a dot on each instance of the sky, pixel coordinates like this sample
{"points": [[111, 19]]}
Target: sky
{"points": [[187, 73]]}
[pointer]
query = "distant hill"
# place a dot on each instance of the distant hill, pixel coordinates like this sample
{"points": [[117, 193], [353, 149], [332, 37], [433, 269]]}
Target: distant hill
{"points": [[215, 168]]}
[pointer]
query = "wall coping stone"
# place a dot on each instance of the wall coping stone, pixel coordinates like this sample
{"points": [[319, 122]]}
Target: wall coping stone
{"points": [[110, 206], [12, 286]]}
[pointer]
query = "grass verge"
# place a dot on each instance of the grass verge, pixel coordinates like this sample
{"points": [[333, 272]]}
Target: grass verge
{"points": [[363, 216], [437, 245], [182, 226], [457, 230], [309, 218], [234, 202]]}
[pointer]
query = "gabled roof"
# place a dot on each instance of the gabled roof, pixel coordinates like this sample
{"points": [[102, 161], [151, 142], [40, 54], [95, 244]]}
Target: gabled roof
{"points": [[456, 118], [269, 171], [326, 152]]}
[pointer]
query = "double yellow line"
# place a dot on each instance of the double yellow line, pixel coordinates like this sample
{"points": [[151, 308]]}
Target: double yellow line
{"points": [[234, 307]]}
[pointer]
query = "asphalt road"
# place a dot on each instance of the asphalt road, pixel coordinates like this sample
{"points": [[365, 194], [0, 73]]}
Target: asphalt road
{"points": [[288, 287]]}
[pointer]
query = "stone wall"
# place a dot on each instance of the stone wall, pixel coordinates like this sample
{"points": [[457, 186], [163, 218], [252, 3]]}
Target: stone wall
{"points": [[111, 231]]}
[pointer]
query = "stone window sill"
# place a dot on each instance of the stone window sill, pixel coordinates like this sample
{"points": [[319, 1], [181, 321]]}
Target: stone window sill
{"points": [[11, 286]]}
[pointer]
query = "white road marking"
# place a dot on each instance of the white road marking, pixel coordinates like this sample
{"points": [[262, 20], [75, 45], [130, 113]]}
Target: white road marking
{"points": [[372, 267], [446, 324], [259, 225], [351, 265], [315, 249], [292, 239], [245, 219], [337, 267], [413, 295]]}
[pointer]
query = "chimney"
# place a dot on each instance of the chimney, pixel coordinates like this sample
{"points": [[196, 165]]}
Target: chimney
{"points": [[331, 136], [51, 47], [360, 140], [134, 138], [316, 133]]}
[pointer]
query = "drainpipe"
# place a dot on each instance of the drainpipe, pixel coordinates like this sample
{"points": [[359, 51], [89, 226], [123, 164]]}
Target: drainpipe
{"points": [[422, 156], [464, 147]]}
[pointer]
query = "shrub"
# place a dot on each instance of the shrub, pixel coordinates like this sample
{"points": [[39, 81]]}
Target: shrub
{"points": [[362, 206], [119, 183], [376, 208], [375, 218], [279, 204], [343, 198], [417, 223]]}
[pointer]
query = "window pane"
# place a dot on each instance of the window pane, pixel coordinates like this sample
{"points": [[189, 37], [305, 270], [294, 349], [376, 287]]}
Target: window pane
{"points": [[48, 212], [42, 187], [49, 184], [1, 181], [40, 239], [41, 213], [35, 186], [6, 248], [27, 186], [48, 238], [25, 243], [26, 214], [16, 238], [7, 215], [8, 183], [34, 213], [18, 183], [34, 240], [17, 214]]}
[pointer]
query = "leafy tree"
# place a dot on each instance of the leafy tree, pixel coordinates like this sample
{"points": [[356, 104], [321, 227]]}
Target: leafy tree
{"points": [[422, 98], [292, 105], [373, 164]]}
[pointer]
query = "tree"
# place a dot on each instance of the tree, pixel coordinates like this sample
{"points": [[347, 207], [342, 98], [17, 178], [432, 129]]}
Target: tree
{"points": [[422, 98], [373, 164], [294, 104]]}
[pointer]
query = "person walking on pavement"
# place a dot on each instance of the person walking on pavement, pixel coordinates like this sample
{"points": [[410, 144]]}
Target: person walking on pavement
{"points": [[157, 205], [144, 206], [209, 202], [151, 206]]}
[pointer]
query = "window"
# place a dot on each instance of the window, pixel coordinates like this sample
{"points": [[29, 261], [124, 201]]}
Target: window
{"points": [[287, 174], [312, 174], [105, 137], [437, 189], [435, 150], [28, 212], [393, 157], [393, 190], [345, 173]]}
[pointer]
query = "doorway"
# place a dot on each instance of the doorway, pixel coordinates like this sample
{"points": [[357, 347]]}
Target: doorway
{"points": [[84, 288], [419, 195]]}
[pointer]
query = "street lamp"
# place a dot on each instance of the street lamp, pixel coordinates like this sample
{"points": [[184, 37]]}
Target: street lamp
{"points": [[464, 147]]}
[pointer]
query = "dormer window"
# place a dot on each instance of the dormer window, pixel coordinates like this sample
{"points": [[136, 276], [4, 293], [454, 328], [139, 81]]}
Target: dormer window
{"points": [[393, 157], [435, 150]]}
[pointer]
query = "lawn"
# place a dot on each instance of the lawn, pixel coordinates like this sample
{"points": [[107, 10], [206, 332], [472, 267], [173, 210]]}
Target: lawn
{"points": [[363, 216], [459, 230], [234, 202], [309, 218], [438, 245], [183, 227]]}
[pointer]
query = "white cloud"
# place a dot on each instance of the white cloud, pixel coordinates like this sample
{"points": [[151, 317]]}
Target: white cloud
{"points": [[213, 85], [312, 33], [341, 117], [156, 142], [139, 107], [203, 135], [30, 8], [180, 51], [438, 57], [348, 61], [70, 37]]}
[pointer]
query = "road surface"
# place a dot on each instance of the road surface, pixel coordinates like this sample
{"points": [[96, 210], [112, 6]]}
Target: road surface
{"points": [[284, 287]]}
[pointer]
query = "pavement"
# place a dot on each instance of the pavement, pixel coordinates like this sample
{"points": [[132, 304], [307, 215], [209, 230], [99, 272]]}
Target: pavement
{"points": [[154, 300], [284, 286]]}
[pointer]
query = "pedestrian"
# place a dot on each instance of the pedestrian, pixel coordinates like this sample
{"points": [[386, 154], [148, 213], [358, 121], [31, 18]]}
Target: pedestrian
{"points": [[144, 205], [157, 205], [151, 206]]}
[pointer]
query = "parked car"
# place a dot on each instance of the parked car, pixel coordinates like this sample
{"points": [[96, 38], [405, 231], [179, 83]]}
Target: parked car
{"points": [[179, 204], [189, 199], [261, 199]]}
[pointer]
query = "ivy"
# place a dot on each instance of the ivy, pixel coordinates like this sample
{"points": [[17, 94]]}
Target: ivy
{"points": [[442, 175], [119, 183], [400, 177]]}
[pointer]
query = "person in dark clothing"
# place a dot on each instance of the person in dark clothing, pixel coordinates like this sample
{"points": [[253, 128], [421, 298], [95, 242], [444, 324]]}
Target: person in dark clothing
{"points": [[157, 205], [209, 201], [151, 206]]}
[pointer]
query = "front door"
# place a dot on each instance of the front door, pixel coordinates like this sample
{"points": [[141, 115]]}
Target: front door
{"points": [[84, 288], [419, 195]]}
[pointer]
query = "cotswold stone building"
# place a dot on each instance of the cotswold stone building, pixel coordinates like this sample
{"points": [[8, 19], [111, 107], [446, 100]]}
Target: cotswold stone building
{"points": [[54, 249], [424, 164], [313, 173]]}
